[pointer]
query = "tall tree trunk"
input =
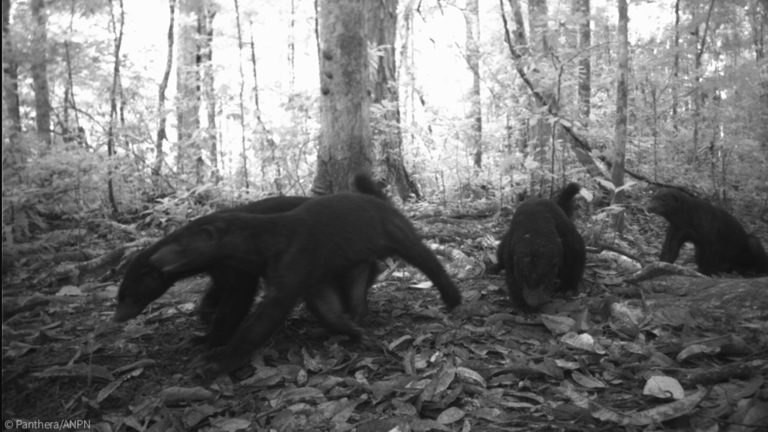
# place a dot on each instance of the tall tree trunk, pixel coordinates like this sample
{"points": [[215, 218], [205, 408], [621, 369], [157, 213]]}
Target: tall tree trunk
{"points": [[242, 95], [538, 17], [117, 33], [676, 67], [582, 9], [759, 23], [39, 71], [292, 49], [697, 94], [270, 164], [520, 40], [12, 119], [345, 136], [620, 129], [205, 18], [386, 127], [472, 26], [187, 89], [407, 76], [161, 115]]}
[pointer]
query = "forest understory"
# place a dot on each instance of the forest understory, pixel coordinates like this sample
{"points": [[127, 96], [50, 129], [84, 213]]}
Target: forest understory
{"points": [[662, 349]]}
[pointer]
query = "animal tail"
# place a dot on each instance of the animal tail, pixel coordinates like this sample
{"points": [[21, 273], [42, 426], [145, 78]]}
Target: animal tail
{"points": [[565, 198], [365, 185]]}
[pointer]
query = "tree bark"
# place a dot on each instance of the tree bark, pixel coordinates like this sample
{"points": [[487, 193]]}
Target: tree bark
{"points": [[345, 136], [187, 90], [582, 9], [538, 17], [620, 129], [759, 23], [472, 26], [241, 95], [117, 32], [205, 26], [39, 71], [676, 66], [386, 126], [10, 80], [161, 115]]}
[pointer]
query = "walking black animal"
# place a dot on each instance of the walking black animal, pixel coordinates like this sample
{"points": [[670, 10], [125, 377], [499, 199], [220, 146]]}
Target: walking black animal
{"points": [[722, 245], [542, 251], [233, 289], [310, 246]]}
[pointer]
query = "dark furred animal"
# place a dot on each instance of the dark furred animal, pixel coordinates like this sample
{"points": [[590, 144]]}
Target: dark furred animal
{"points": [[233, 289], [542, 251], [297, 251], [722, 245]]}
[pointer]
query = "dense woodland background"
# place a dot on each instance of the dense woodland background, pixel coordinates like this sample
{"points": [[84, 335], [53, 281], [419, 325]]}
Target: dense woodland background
{"points": [[124, 119], [108, 105]]}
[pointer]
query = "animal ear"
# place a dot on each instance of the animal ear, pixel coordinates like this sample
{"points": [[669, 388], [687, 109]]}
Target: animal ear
{"points": [[170, 259]]}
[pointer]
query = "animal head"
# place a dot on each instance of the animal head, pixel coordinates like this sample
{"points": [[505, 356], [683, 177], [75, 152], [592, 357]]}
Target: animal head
{"points": [[537, 266], [183, 253], [141, 284], [665, 202]]}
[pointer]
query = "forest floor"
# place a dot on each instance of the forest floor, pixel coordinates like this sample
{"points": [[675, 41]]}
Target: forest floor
{"points": [[669, 352]]}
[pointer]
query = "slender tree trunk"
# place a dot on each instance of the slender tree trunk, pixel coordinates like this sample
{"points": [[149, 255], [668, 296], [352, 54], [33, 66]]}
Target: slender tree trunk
{"points": [[407, 76], [40, 71], [117, 30], [161, 115], [209, 93], [242, 95], [10, 81], [620, 129], [292, 49], [345, 137], [676, 67], [759, 23], [582, 9], [270, 164], [472, 26], [698, 95]]}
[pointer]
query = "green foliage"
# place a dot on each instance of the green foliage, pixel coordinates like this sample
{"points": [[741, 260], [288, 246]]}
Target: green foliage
{"points": [[64, 182]]}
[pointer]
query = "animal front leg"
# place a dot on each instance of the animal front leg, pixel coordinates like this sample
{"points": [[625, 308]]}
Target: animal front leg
{"points": [[257, 328], [673, 241]]}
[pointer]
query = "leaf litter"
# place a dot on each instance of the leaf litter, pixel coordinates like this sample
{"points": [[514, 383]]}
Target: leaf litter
{"points": [[687, 353]]}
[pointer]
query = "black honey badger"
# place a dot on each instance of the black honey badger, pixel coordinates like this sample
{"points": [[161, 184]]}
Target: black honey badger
{"points": [[722, 245], [233, 288], [542, 252]]}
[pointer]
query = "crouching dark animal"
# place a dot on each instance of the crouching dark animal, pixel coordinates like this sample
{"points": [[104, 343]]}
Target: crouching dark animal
{"points": [[721, 243], [542, 252]]}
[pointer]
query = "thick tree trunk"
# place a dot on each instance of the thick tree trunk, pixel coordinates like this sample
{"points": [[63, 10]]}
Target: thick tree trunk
{"points": [[187, 90], [538, 17], [345, 137], [12, 119], [620, 135], [40, 72], [386, 127]]}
